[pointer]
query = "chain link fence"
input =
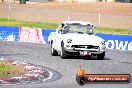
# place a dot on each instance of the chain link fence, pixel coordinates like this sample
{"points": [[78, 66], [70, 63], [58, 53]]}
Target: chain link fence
{"points": [[41, 14]]}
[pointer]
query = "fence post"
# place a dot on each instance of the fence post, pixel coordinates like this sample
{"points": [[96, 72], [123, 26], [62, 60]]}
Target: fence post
{"points": [[38, 15], [99, 20], [68, 18], [9, 11], [68, 13]]}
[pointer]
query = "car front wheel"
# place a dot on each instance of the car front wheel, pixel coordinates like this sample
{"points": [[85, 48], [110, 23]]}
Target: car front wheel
{"points": [[63, 53], [101, 56]]}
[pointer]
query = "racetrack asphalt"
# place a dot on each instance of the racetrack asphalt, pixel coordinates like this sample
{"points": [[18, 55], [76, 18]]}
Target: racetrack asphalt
{"points": [[116, 62]]}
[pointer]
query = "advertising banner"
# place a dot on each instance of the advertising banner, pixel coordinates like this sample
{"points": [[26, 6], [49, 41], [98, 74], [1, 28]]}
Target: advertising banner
{"points": [[38, 35], [122, 42]]}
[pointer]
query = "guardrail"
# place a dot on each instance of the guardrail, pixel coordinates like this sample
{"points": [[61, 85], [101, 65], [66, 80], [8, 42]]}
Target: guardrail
{"points": [[38, 35]]}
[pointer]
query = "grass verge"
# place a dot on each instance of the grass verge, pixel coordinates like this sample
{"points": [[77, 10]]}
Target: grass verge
{"points": [[12, 22], [8, 70], [121, 31], [4, 68]]}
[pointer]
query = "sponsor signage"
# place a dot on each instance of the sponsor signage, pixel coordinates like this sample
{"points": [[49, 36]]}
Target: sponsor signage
{"points": [[83, 78], [37, 35], [121, 42]]}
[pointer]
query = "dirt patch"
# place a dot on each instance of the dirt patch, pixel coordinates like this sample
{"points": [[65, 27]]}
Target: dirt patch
{"points": [[109, 8], [115, 15], [25, 73], [11, 70]]}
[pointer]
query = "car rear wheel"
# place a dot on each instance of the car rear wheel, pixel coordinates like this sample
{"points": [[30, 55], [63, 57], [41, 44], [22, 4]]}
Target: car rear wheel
{"points": [[101, 56]]}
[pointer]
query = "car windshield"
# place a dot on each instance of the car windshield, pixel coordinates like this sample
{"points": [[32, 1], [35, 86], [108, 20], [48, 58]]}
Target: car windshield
{"points": [[78, 28]]}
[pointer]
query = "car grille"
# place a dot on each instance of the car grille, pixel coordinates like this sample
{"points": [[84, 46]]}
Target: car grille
{"points": [[85, 46]]}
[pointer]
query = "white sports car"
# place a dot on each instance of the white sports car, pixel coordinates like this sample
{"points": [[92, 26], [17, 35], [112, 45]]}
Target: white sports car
{"points": [[76, 38]]}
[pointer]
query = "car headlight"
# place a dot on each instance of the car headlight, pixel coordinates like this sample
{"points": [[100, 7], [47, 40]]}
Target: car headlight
{"points": [[69, 41], [103, 45]]}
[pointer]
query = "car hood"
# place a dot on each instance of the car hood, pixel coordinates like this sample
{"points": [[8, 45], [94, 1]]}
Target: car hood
{"points": [[83, 39]]}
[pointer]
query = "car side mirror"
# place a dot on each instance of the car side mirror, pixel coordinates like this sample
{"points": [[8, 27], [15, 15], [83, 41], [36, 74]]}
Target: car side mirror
{"points": [[62, 25]]}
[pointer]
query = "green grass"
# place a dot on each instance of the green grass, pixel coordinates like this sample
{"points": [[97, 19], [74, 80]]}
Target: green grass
{"points": [[122, 31], [8, 70], [11, 22], [4, 68], [51, 25]]}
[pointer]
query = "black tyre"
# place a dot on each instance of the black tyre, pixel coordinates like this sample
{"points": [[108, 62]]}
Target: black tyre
{"points": [[81, 80], [87, 57], [63, 53], [101, 56], [53, 51]]}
